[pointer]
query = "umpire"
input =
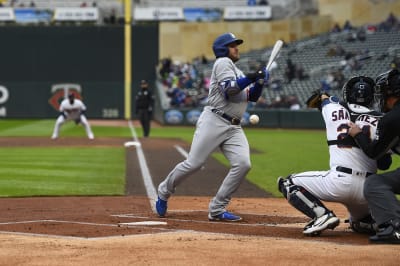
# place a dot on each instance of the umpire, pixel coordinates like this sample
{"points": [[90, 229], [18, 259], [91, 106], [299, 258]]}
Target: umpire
{"points": [[380, 189], [144, 107]]}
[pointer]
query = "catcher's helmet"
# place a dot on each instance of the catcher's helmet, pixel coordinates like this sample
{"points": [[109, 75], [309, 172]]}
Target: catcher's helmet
{"points": [[359, 90], [220, 45]]}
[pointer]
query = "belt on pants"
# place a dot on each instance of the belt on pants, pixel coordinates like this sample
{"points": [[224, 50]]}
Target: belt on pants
{"points": [[352, 172], [232, 120]]}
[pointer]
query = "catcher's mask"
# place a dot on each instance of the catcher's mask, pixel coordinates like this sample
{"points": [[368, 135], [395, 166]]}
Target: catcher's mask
{"points": [[359, 90], [387, 85], [220, 45]]}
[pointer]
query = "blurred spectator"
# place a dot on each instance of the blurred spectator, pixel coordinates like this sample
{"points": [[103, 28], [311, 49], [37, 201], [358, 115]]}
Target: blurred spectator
{"points": [[83, 4], [165, 67], [113, 16], [300, 73], [293, 101], [251, 2], [277, 102], [351, 37], [275, 84], [338, 80], [336, 50], [325, 86], [371, 29], [94, 4], [336, 28], [32, 4], [347, 26], [392, 20], [177, 96], [263, 3], [261, 103], [352, 64], [361, 35], [204, 59], [290, 71]]}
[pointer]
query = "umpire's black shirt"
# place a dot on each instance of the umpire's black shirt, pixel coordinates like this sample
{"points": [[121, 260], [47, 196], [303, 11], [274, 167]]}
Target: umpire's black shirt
{"points": [[387, 135]]}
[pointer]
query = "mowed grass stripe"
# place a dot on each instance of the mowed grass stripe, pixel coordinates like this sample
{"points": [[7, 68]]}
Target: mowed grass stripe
{"points": [[62, 171]]}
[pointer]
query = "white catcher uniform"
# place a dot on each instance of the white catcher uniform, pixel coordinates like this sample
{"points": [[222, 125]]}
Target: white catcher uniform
{"points": [[72, 110], [349, 166]]}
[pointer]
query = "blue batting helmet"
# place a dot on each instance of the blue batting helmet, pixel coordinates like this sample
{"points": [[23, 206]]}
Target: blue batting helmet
{"points": [[220, 45]]}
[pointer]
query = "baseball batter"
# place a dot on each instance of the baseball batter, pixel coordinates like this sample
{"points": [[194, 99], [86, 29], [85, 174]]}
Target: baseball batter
{"points": [[349, 166], [72, 109], [219, 126]]}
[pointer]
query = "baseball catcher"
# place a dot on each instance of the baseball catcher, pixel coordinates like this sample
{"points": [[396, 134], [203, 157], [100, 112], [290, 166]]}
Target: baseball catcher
{"points": [[349, 166]]}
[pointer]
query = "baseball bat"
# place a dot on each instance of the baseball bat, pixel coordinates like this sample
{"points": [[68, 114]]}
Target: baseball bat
{"points": [[274, 53]]}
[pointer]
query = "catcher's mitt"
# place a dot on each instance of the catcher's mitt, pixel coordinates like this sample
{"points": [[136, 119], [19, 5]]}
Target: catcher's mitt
{"points": [[314, 101]]}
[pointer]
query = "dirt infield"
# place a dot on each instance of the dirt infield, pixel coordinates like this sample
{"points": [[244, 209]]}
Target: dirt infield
{"points": [[124, 230]]}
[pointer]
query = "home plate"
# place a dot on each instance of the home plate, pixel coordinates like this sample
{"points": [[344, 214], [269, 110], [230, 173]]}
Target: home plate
{"points": [[131, 143], [145, 223]]}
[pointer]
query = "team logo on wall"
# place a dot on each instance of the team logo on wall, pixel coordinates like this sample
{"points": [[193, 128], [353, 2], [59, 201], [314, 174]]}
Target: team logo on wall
{"points": [[173, 117], [192, 116], [60, 92]]}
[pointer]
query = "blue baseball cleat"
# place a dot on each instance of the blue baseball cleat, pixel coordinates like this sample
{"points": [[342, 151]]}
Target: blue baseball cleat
{"points": [[161, 207], [224, 217]]}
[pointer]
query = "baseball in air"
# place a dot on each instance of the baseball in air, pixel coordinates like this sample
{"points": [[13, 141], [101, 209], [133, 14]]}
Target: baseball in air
{"points": [[254, 119]]}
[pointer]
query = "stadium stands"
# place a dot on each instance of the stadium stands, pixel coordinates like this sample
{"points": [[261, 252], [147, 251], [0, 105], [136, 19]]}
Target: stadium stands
{"points": [[371, 57]]}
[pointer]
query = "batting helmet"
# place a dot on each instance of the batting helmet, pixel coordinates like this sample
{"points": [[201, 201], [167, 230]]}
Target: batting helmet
{"points": [[359, 90], [220, 45]]}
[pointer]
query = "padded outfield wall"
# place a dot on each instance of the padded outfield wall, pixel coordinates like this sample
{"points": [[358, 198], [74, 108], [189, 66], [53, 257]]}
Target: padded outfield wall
{"points": [[39, 64]]}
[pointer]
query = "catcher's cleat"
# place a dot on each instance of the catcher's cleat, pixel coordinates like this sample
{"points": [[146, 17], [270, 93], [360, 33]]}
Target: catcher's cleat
{"points": [[161, 207], [316, 226], [224, 217]]}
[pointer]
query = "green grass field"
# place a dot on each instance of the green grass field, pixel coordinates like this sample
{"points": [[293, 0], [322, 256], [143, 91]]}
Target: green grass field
{"points": [[101, 171]]}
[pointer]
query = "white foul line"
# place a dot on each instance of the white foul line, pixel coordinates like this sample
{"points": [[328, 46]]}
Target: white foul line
{"points": [[181, 151], [148, 181], [185, 153]]}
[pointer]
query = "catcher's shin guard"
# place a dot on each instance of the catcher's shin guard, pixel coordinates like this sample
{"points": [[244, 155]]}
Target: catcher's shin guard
{"points": [[301, 199]]}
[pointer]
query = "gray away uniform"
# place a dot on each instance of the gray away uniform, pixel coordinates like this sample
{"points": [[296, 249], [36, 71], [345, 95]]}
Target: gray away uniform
{"points": [[212, 131]]}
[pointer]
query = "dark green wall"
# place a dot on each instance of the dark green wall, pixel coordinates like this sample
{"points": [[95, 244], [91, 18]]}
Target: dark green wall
{"points": [[34, 58]]}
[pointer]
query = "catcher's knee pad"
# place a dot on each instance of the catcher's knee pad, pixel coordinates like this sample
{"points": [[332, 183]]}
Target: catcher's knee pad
{"points": [[301, 199]]}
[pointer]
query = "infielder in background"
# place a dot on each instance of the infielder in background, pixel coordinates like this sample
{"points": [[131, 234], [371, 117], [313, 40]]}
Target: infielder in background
{"points": [[219, 127], [72, 109], [349, 166], [380, 189]]}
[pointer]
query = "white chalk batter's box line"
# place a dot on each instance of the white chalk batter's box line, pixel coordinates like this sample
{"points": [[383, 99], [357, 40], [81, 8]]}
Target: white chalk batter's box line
{"points": [[131, 215], [144, 224], [160, 230]]}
